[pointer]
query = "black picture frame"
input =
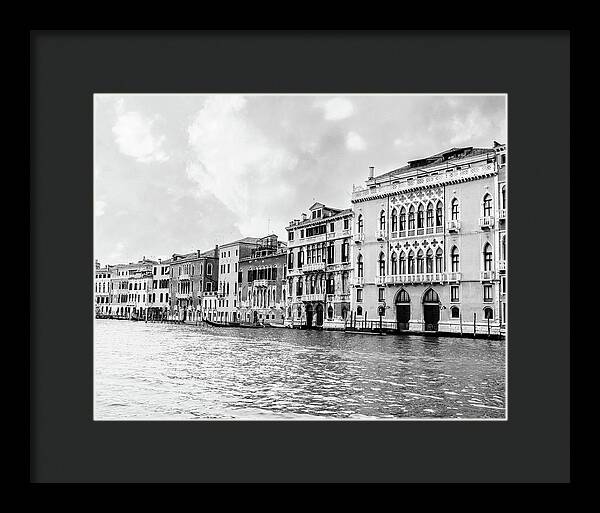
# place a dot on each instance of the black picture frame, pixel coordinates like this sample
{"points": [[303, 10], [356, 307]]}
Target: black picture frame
{"points": [[67, 67]]}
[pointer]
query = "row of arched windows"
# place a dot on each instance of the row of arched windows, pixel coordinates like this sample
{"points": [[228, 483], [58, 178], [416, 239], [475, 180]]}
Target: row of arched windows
{"points": [[426, 216], [423, 261]]}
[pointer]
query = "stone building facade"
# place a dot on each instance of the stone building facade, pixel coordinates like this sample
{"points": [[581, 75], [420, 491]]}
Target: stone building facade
{"points": [[430, 244], [102, 282], [261, 297], [319, 268], [192, 275], [230, 277]]}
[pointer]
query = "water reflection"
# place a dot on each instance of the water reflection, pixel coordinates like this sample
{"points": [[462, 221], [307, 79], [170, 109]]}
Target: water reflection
{"points": [[160, 371]]}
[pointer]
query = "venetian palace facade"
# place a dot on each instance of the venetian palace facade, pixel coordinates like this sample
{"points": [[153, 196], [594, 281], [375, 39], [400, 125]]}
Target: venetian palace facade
{"points": [[261, 294], [319, 268], [430, 244]]}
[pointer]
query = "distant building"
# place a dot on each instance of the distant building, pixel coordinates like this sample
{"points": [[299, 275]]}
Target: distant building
{"points": [[159, 295], [192, 275], [102, 282], [261, 296], [430, 243], [230, 277], [319, 268]]}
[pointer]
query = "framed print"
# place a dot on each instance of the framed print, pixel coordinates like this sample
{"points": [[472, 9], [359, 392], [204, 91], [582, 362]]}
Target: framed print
{"points": [[289, 256]]}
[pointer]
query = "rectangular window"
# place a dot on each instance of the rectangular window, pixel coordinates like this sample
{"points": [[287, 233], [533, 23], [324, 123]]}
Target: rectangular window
{"points": [[332, 227], [346, 224], [301, 234], [290, 235], [454, 297], [381, 294], [359, 295], [487, 293], [503, 285]]}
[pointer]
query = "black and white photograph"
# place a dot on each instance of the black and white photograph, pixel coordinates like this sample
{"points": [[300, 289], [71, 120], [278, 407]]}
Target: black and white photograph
{"points": [[300, 257]]}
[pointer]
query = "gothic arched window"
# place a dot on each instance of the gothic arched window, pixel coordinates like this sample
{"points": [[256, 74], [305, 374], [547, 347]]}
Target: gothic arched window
{"points": [[487, 257]]}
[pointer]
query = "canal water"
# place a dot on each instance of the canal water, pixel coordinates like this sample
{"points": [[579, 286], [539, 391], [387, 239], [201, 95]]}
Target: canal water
{"points": [[152, 371]]}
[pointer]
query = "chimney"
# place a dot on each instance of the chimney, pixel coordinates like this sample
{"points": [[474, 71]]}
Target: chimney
{"points": [[216, 251], [303, 216], [371, 172]]}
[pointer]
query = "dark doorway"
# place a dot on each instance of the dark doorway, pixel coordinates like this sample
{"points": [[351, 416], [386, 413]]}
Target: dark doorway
{"points": [[255, 316], [402, 310], [309, 316], [431, 310], [319, 315]]}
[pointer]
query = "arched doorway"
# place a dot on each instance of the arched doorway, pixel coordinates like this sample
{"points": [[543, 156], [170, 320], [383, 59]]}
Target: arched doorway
{"points": [[402, 309], [309, 315], [319, 314], [431, 310]]}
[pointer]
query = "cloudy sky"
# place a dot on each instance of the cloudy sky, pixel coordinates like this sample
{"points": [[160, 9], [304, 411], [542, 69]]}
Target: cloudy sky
{"points": [[176, 173]]}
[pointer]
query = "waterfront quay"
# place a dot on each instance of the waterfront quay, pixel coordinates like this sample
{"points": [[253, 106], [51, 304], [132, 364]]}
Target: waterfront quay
{"points": [[184, 371]]}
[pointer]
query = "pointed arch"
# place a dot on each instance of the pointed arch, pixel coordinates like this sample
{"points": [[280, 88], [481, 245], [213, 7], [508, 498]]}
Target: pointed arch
{"points": [[439, 214], [488, 257], [394, 216], [487, 205], [454, 259], [429, 217], [454, 209], [430, 296], [394, 264], [381, 262], [402, 296], [402, 219]]}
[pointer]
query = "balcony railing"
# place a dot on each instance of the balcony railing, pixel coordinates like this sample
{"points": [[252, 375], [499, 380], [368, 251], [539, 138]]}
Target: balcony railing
{"points": [[359, 237], [502, 266], [502, 214], [317, 266], [313, 297], [294, 272], [346, 233], [486, 222], [453, 226], [263, 283], [488, 275], [453, 277], [340, 266], [358, 281], [381, 235], [183, 295], [184, 276], [342, 297], [380, 280]]}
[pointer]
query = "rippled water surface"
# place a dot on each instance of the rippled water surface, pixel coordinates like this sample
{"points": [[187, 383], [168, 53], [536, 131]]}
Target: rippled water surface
{"points": [[146, 371]]}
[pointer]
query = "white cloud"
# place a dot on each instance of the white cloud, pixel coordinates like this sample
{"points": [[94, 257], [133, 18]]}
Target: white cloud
{"points": [[236, 162], [355, 142], [117, 254], [338, 108], [99, 207], [469, 128], [133, 134]]}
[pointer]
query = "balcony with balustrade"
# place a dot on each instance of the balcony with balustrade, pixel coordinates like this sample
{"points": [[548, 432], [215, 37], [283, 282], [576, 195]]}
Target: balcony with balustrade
{"points": [[488, 275], [263, 283], [380, 280], [313, 297], [358, 281], [317, 266], [381, 235], [453, 277], [502, 214], [184, 276], [453, 226], [486, 223], [359, 237], [502, 266]]}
